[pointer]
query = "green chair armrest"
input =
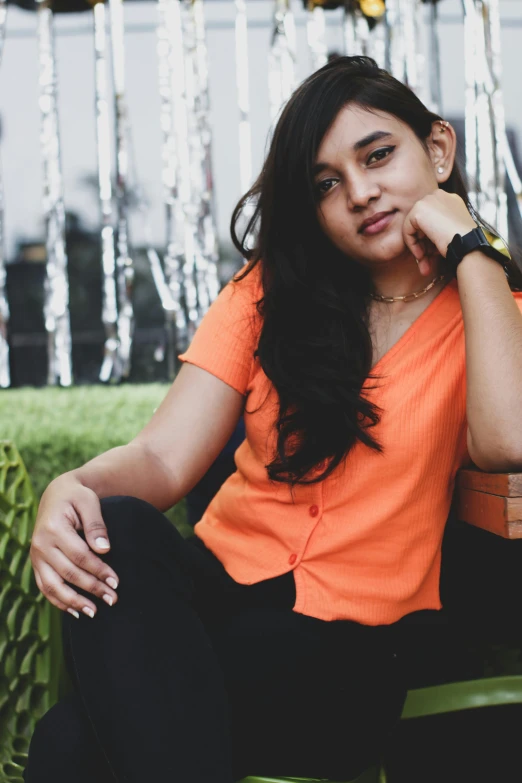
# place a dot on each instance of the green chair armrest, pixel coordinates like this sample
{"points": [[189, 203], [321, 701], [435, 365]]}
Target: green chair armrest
{"points": [[464, 695]]}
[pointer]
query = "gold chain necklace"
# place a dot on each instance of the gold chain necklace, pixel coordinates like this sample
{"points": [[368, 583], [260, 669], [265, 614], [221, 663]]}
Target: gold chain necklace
{"points": [[407, 297]]}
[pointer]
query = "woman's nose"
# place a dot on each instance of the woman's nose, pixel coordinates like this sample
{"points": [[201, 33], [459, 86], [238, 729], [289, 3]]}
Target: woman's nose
{"points": [[361, 189]]}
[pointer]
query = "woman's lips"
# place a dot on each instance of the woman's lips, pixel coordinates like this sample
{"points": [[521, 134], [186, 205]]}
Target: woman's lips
{"points": [[375, 228]]}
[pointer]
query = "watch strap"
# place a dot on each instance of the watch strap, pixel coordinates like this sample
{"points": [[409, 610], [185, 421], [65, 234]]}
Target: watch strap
{"points": [[462, 245]]}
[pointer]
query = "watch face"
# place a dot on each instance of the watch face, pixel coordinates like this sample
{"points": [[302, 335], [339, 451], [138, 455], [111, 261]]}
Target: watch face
{"points": [[496, 242]]}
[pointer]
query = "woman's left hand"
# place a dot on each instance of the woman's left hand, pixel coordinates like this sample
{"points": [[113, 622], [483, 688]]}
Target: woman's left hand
{"points": [[432, 223]]}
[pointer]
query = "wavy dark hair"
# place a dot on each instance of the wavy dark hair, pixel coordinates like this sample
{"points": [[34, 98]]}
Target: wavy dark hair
{"points": [[315, 345]]}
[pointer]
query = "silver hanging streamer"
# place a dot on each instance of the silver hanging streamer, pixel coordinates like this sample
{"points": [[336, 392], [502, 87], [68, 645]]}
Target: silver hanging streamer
{"points": [[484, 117], [161, 284], [207, 223], [359, 39], [5, 378], [242, 81], [124, 265], [180, 261], [403, 56], [316, 36], [199, 137], [111, 365], [193, 261], [140, 201], [56, 305], [356, 30], [282, 58], [169, 49], [394, 53], [435, 83], [190, 174], [245, 144]]}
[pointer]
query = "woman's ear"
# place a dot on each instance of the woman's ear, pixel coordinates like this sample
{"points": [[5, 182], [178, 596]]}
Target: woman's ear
{"points": [[443, 147]]}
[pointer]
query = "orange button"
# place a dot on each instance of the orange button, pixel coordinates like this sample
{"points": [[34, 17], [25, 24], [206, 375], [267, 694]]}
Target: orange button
{"points": [[292, 559], [314, 510]]}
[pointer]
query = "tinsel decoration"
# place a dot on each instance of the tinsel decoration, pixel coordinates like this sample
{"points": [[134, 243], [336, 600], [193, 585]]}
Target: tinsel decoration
{"points": [[200, 211], [171, 71], [363, 30], [56, 305], [484, 113], [282, 58], [180, 261], [192, 265], [5, 378], [245, 146], [435, 83], [111, 366], [316, 35], [242, 82], [207, 228], [403, 32], [124, 264], [355, 30]]}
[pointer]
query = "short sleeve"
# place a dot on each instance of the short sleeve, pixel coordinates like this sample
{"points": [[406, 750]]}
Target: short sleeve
{"points": [[226, 338]]}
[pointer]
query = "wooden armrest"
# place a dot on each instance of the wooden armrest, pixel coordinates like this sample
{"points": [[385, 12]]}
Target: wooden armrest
{"points": [[492, 501]]}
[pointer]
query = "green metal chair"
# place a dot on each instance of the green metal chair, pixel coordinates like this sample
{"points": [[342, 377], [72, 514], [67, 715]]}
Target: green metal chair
{"points": [[32, 676], [28, 670]]}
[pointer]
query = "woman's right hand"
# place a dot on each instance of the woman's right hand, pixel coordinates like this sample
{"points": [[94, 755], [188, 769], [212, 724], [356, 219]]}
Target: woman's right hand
{"points": [[60, 555]]}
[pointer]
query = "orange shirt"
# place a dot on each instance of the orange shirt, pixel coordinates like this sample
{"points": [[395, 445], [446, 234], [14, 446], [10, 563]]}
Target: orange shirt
{"points": [[365, 543]]}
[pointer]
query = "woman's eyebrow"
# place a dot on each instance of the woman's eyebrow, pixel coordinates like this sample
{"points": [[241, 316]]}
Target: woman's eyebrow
{"points": [[369, 139]]}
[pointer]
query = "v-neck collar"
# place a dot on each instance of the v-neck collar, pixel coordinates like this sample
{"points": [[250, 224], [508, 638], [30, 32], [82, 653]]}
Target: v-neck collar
{"points": [[450, 288]]}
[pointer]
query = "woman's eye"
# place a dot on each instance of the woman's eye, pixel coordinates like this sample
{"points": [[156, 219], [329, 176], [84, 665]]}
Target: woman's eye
{"points": [[320, 188], [381, 153]]}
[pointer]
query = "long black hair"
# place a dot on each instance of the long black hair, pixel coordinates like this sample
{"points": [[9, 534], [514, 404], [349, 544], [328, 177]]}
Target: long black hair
{"points": [[315, 345]]}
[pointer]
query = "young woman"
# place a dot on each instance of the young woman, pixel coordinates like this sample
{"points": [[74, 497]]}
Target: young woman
{"points": [[270, 642]]}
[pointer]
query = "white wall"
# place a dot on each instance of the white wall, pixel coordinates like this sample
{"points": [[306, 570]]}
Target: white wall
{"points": [[20, 153]]}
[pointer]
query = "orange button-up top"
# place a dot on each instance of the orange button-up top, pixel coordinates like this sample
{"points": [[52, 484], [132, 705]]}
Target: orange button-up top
{"points": [[364, 543]]}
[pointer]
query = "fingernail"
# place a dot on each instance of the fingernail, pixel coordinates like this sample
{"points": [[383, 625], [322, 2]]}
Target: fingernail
{"points": [[88, 611], [102, 543], [112, 582], [74, 613], [107, 599]]}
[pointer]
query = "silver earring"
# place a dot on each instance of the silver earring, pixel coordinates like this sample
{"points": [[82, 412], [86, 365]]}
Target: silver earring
{"points": [[440, 169]]}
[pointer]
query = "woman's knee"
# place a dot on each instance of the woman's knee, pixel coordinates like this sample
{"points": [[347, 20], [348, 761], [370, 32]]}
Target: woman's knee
{"points": [[144, 545], [63, 748], [132, 522]]}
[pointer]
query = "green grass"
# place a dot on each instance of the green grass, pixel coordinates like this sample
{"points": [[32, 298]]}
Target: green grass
{"points": [[58, 429]]}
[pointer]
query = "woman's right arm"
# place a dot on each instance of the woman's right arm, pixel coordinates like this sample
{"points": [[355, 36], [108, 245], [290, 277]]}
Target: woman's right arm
{"points": [[160, 465]]}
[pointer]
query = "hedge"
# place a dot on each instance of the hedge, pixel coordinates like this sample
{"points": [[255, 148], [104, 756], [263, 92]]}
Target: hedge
{"points": [[58, 429]]}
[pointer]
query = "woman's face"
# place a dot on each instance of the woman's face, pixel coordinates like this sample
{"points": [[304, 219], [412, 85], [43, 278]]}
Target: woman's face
{"points": [[356, 177]]}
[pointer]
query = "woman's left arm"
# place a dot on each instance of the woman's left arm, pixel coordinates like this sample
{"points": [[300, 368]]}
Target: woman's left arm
{"points": [[492, 328], [493, 334]]}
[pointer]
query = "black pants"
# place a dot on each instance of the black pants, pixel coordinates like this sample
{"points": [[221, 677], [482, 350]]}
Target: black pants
{"points": [[194, 678]]}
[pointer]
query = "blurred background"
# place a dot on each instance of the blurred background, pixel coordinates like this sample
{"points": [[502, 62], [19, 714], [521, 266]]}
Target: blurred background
{"points": [[21, 158]]}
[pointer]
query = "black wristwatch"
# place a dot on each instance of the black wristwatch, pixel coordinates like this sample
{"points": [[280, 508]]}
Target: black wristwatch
{"points": [[478, 239]]}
